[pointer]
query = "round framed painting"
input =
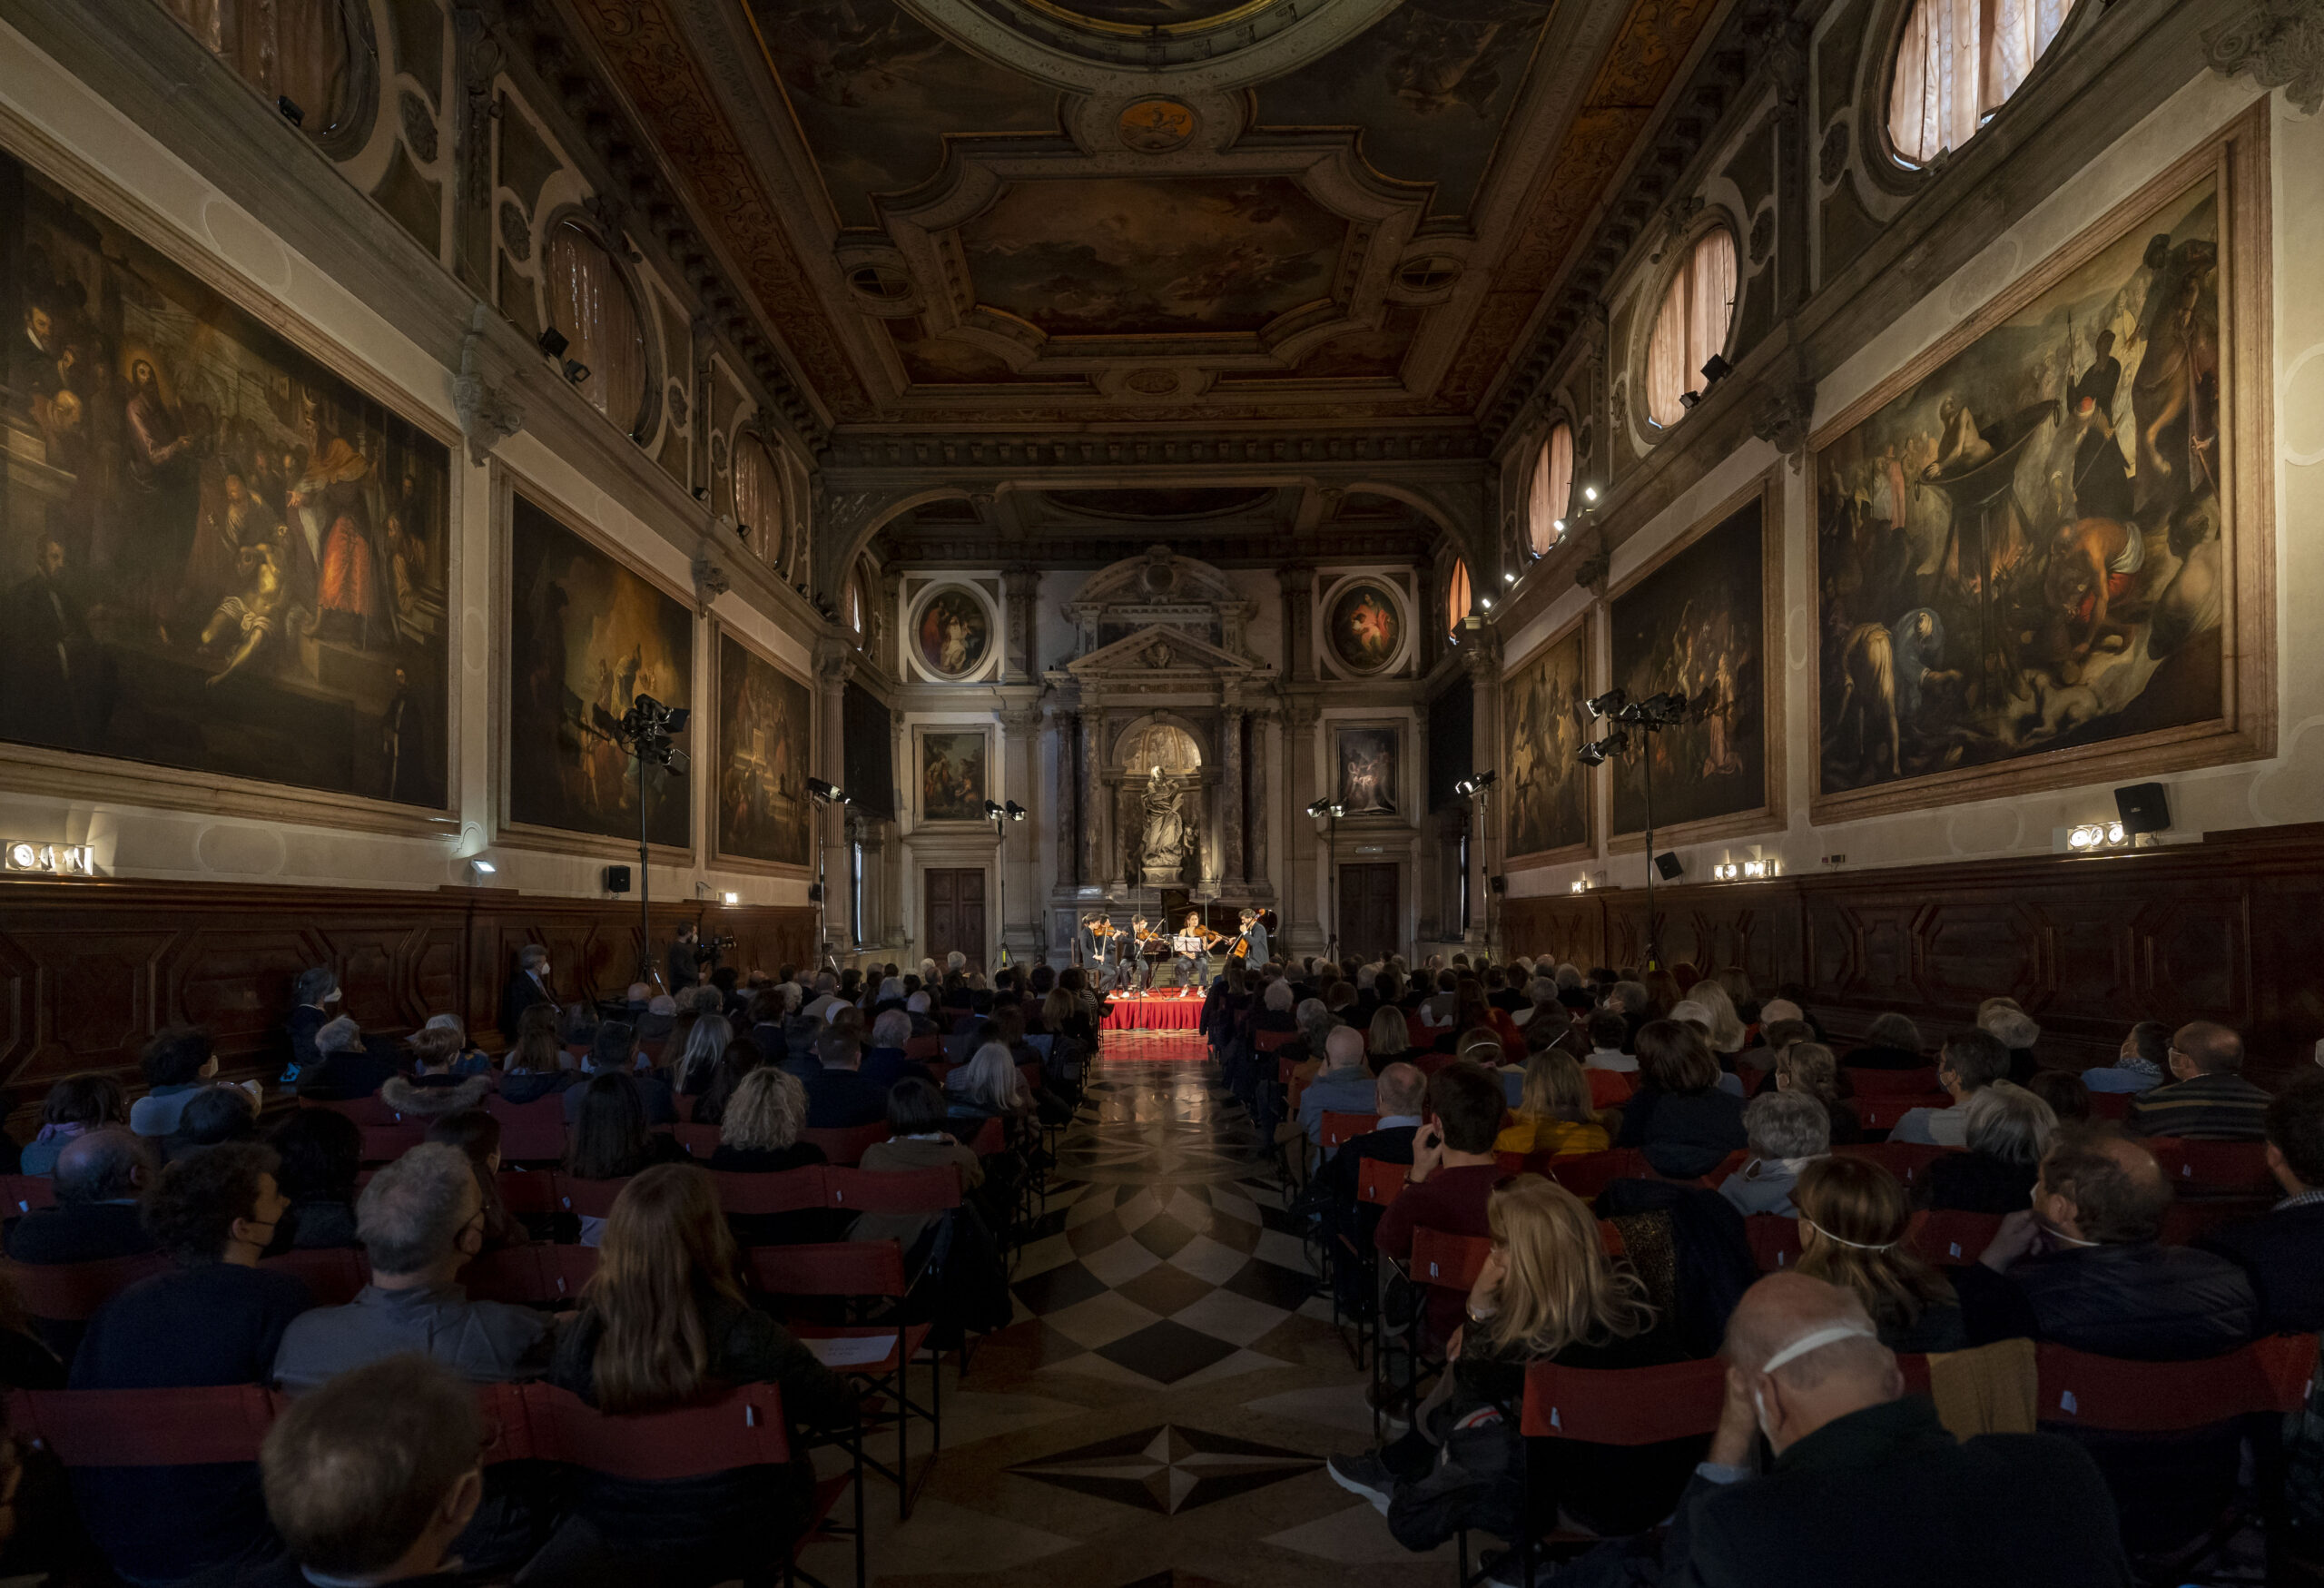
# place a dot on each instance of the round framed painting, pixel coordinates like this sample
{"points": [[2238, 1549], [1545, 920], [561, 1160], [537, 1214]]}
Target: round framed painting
{"points": [[1365, 632], [954, 632]]}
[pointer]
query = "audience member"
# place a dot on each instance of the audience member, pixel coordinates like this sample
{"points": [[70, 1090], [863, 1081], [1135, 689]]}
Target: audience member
{"points": [[2082, 1267], [1808, 1068], [73, 1107], [477, 1136], [839, 1094], [345, 1066], [662, 1323], [1971, 1060], [2062, 1089], [1387, 1038], [742, 1057], [374, 1477], [1344, 1086], [528, 984], [1454, 1170], [1786, 1132], [988, 1086], [176, 1062], [2015, 1030], [1612, 1072], [1728, 1032], [100, 1177], [705, 1044], [887, 1063], [313, 994], [320, 1153], [2207, 1098], [1867, 1486], [536, 1064], [610, 1141], [2009, 1129], [2283, 1249], [1853, 1219], [2143, 1063], [1555, 1112], [212, 1115], [1680, 1118], [916, 1116], [1893, 1042], [614, 1052], [215, 1317]]}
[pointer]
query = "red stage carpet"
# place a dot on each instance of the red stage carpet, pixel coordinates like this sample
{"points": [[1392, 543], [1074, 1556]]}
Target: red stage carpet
{"points": [[1165, 1012]]}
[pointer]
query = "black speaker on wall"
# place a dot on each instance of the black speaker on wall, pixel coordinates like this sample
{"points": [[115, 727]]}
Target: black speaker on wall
{"points": [[2144, 807], [616, 879], [1668, 864], [1500, 884]]}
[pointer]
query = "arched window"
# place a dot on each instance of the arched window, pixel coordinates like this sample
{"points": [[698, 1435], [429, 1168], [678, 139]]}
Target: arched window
{"points": [[855, 606], [1691, 325], [1956, 63], [758, 497], [1457, 595], [1552, 486], [311, 53], [589, 301]]}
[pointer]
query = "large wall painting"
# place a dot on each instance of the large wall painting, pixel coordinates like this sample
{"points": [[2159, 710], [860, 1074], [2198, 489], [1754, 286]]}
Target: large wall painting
{"points": [[1369, 763], [1697, 623], [952, 775], [1365, 630], [2023, 544], [952, 629], [764, 722], [1547, 790], [215, 555], [586, 637]]}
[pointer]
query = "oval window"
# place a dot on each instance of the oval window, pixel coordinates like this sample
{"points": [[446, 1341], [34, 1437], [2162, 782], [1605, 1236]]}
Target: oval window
{"points": [[1457, 597], [1552, 486], [1957, 61], [758, 497], [1691, 326], [589, 301]]}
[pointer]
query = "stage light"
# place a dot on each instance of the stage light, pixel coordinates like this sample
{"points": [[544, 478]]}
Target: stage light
{"points": [[482, 868], [730, 897], [1726, 870], [1589, 493], [576, 371], [701, 493], [1688, 399], [826, 794], [1017, 812], [1607, 704], [2114, 834], [1326, 807], [64, 860], [1558, 525], [993, 808], [1592, 754], [1485, 602], [552, 343], [291, 110], [1580, 885], [1508, 578], [1719, 369]]}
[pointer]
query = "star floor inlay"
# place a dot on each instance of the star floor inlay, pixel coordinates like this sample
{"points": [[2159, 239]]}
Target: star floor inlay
{"points": [[1168, 1468]]}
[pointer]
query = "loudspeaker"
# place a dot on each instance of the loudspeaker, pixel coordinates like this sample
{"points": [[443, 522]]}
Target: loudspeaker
{"points": [[1667, 863], [616, 879], [2144, 807], [814, 893], [1499, 884]]}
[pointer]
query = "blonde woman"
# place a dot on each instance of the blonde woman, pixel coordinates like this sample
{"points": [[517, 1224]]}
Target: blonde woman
{"points": [[1553, 1112], [1547, 1293], [759, 1131], [989, 1084], [663, 1322], [1852, 1221], [1727, 1029]]}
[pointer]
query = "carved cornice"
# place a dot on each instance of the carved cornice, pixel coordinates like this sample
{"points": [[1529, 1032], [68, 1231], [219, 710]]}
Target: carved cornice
{"points": [[488, 414], [2280, 43], [1782, 417]]}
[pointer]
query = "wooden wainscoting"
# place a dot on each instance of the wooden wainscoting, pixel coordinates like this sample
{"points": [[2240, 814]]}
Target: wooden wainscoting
{"points": [[89, 970], [2230, 929]]}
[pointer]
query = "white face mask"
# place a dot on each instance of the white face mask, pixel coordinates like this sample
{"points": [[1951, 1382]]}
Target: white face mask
{"points": [[1814, 1340], [331, 997]]}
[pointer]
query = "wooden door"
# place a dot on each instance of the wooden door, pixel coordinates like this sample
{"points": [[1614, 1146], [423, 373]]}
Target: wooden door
{"points": [[954, 901], [1371, 910]]}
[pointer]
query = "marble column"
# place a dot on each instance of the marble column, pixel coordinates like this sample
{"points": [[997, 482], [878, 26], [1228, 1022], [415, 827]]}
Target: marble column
{"points": [[1256, 841], [1021, 583], [1230, 797], [1480, 657], [1061, 807], [1302, 903], [1298, 584], [1022, 745], [1093, 796], [834, 665]]}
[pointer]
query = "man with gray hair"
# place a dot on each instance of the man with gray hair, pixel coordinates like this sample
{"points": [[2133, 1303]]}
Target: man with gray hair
{"points": [[421, 1220], [1866, 1485], [345, 1067], [1786, 1132]]}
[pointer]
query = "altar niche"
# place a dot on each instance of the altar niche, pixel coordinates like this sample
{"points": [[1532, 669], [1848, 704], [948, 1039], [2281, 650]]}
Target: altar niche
{"points": [[1165, 806]]}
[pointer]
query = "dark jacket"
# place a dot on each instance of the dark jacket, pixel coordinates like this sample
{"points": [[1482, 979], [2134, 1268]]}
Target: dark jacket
{"points": [[1883, 1496], [527, 1086], [340, 1077], [2283, 1253], [837, 1099], [886, 1066], [304, 1023], [2206, 1108], [2140, 1300], [518, 994], [79, 1232], [484, 1342], [1978, 1182], [1684, 1134], [1880, 1056], [653, 1092]]}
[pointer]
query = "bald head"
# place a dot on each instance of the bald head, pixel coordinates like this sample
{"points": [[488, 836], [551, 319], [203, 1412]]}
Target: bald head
{"points": [[1807, 1353], [1402, 1087], [1345, 1048], [101, 1166], [2209, 1047], [2099, 1185]]}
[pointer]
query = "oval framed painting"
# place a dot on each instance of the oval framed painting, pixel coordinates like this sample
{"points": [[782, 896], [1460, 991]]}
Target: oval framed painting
{"points": [[1365, 628], [952, 631]]}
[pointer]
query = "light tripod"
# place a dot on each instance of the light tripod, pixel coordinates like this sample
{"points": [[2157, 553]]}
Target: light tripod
{"points": [[823, 793], [1649, 718], [1001, 815], [1332, 808], [1477, 789], [645, 731]]}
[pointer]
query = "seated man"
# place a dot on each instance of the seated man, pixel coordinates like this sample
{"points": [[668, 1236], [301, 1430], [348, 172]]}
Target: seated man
{"points": [[2081, 1268], [2142, 1064], [885, 1064], [216, 1319], [615, 1050], [373, 1478], [2283, 1250], [100, 1176], [346, 1066], [1344, 1086], [1971, 1060], [1613, 1073], [1867, 1484], [1454, 1170], [839, 1094], [1397, 1095], [2207, 1098]]}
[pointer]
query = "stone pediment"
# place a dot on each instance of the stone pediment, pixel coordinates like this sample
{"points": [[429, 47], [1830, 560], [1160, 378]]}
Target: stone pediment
{"points": [[1162, 652]]}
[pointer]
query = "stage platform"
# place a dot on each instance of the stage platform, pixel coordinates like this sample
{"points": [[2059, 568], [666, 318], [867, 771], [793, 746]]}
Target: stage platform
{"points": [[1153, 1011]]}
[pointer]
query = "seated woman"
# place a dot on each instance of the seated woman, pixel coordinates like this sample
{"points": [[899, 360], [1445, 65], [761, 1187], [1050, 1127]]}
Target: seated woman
{"points": [[917, 1117], [743, 1056], [2009, 1129], [705, 1045], [1678, 1116], [663, 1323], [477, 1134], [74, 1106], [1062, 1018], [1893, 1043], [758, 1133], [1547, 1293], [2068, 1097], [1553, 1114], [321, 1153], [610, 1141], [988, 1086], [1786, 1132], [1852, 1221], [1808, 1068], [536, 1063], [1387, 1038]]}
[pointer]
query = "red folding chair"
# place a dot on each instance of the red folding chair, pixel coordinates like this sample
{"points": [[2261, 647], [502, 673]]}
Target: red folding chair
{"points": [[845, 1146], [788, 1191], [864, 1275], [588, 1198], [1268, 1042], [2214, 1168], [2110, 1105], [385, 1143], [527, 1190], [918, 1190], [1448, 1262], [1379, 1183], [531, 1133], [535, 1275], [2187, 1222], [699, 1141], [1907, 1160], [333, 1274], [1952, 1239], [209, 1426], [1886, 1083], [1774, 1240], [1586, 1174], [991, 1138], [24, 1193], [368, 1111], [72, 1292], [1881, 1113], [920, 1049], [2267, 1376]]}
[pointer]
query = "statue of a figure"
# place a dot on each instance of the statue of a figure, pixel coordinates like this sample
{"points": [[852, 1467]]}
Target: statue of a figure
{"points": [[1164, 848]]}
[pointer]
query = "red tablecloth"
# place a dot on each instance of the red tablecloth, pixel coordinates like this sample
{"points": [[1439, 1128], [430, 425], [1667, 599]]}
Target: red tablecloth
{"points": [[1170, 1013]]}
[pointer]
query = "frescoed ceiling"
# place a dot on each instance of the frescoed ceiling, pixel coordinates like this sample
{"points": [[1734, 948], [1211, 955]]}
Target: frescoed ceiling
{"points": [[1014, 212]]}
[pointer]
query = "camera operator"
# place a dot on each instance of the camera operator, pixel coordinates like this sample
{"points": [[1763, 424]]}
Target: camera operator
{"points": [[690, 962]]}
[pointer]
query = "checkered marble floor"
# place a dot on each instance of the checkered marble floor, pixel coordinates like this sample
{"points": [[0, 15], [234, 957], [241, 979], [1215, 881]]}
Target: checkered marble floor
{"points": [[1158, 1413]]}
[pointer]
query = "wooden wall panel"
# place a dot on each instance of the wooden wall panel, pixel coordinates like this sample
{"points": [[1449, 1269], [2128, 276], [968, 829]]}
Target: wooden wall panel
{"points": [[2223, 930], [89, 970]]}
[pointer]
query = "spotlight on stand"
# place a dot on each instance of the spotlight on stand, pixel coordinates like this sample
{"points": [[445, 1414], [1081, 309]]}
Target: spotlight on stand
{"points": [[291, 110], [552, 343], [1607, 704], [576, 371], [1719, 369], [1467, 788], [1327, 807], [1017, 812], [825, 794]]}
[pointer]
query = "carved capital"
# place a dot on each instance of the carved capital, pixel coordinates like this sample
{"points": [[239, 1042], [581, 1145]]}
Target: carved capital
{"points": [[835, 662], [1021, 581], [1018, 722], [1481, 656], [2280, 43], [1782, 419], [710, 582], [487, 415], [1299, 717], [1780, 45]]}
